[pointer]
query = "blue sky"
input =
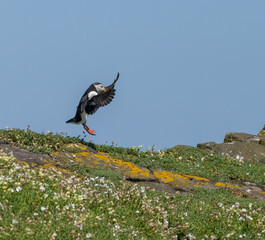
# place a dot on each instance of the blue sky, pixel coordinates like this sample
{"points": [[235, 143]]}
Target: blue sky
{"points": [[190, 71]]}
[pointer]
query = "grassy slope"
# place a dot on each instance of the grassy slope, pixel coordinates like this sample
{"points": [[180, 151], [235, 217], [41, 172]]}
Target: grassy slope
{"points": [[40, 204]]}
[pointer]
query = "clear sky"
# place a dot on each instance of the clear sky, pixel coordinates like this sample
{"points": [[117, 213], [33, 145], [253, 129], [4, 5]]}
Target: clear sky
{"points": [[190, 71]]}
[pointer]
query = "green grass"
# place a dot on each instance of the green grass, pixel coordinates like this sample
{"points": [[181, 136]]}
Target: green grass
{"points": [[44, 204], [192, 161], [40, 142], [180, 159]]}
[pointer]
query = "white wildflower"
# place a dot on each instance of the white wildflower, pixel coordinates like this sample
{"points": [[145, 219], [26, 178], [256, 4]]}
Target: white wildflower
{"points": [[88, 235], [14, 221], [250, 218], [190, 236], [53, 236], [117, 226]]}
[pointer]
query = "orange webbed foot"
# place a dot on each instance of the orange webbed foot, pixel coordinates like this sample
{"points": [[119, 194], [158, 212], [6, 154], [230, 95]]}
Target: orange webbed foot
{"points": [[90, 131]]}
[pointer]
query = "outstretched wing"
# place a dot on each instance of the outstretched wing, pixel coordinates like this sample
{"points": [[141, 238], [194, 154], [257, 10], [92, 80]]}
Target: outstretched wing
{"points": [[101, 99], [98, 101], [105, 98]]}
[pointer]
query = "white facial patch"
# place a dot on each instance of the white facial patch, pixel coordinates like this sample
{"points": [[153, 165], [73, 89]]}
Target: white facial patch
{"points": [[91, 94], [100, 88]]}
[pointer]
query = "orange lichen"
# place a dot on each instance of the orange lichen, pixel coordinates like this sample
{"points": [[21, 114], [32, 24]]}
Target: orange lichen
{"points": [[219, 184], [76, 145], [128, 167], [49, 165], [23, 162], [164, 176], [101, 157], [197, 178], [199, 183], [259, 192]]}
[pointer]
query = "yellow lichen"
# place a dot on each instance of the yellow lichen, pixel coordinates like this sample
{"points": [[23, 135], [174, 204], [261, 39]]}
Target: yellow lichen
{"points": [[259, 192], [22, 162], [219, 184], [164, 176], [49, 165], [197, 178]]}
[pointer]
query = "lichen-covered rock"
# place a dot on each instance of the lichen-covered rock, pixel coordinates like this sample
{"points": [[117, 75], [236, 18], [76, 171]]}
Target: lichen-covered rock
{"points": [[207, 145], [159, 179], [240, 137], [262, 132], [241, 151], [262, 142], [241, 146]]}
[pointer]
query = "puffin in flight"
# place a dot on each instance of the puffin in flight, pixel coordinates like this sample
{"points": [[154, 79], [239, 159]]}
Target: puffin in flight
{"points": [[95, 96]]}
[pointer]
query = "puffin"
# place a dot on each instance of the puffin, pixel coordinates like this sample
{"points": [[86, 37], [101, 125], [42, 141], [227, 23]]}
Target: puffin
{"points": [[95, 96]]}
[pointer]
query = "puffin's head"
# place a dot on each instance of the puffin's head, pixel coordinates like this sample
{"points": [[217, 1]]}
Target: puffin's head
{"points": [[99, 87]]}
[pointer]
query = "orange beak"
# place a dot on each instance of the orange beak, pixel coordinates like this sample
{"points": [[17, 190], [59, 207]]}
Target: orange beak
{"points": [[105, 89]]}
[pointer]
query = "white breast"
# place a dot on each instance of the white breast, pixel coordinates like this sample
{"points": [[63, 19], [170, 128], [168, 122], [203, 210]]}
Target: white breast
{"points": [[84, 116], [91, 94]]}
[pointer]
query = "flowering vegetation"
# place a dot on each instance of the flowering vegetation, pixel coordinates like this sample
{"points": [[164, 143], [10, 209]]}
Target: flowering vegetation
{"points": [[39, 142], [192, 161], [43, 203], [38, 203]]}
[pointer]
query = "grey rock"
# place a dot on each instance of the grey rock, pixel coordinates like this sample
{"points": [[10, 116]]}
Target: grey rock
{"points": [[240, 146], [237, 137], [242, 137], [207, 145]]}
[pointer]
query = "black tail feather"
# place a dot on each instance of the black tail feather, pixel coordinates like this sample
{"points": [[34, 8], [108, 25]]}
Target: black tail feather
{"points": [[72, 120]]}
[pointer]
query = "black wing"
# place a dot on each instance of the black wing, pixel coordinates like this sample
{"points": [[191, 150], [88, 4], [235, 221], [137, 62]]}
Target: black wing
{"points": [[98, 101], [101, 99], [105, 98]]}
